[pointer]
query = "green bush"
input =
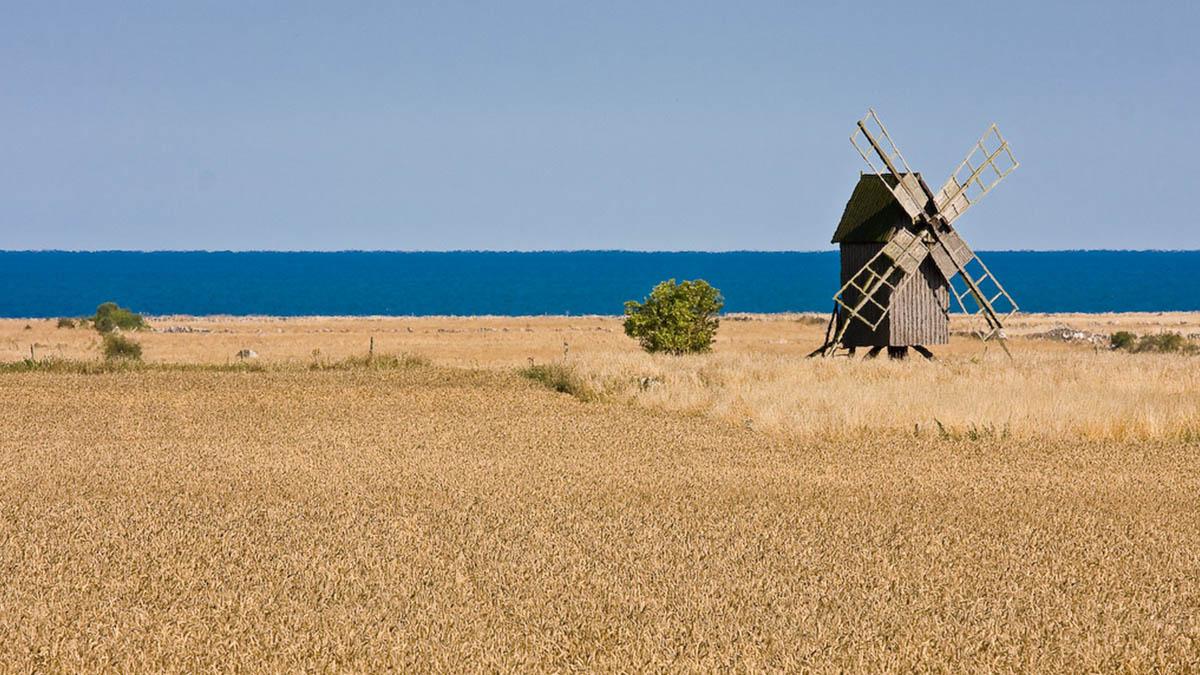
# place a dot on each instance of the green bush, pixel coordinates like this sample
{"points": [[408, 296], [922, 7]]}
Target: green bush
{"points": [[1155, 343], [1123, 340], [118, 347], [675, 318], [64, 322], [1162, 343], [109, 316]]}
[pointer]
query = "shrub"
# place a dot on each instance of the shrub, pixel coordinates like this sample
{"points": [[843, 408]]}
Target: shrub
{"points": [[118, 347], [1122, 340], [561, 378], [1162, 342], [109, 316], [64, 322], [675, 318]]}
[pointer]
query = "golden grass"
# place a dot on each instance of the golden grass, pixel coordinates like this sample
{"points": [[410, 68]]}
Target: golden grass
{"points": [[1041, 394], [428, 517]]}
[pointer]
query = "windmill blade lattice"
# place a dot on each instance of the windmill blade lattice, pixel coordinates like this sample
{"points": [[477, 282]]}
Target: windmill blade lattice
{"points": [[984, 299], [918, 230], [871, 138], [988, 162], [867, 296]]}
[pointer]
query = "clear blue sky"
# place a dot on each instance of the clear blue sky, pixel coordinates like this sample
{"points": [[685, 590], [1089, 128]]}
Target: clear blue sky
{"points": [[706, 126]]}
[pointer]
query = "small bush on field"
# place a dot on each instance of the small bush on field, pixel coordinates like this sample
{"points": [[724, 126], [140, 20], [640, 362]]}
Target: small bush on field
{"points": [[1122, 340], [117, 347], [675, 318], [1155, 343], [109, 317], [64, 322], [561, 378], [1162, 343]]}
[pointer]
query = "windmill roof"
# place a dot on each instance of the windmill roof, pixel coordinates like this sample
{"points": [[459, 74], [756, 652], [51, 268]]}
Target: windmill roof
{"points": [[872, 214]]}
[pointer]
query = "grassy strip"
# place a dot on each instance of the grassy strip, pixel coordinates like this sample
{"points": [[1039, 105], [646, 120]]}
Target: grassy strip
{"points": [[562, 378], [82, 367], [380, 362]]}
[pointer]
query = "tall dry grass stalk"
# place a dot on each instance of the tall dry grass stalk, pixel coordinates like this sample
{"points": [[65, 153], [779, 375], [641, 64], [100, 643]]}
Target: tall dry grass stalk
{"points": [[1076, 394]]}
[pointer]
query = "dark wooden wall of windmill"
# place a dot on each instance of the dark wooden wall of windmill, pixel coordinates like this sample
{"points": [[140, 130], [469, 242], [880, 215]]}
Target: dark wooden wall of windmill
{"points": [[919, 314]]}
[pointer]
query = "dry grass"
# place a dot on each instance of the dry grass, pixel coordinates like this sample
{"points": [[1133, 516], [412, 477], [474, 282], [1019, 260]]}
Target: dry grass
{"points": [[433, 518], [1044, 393]]}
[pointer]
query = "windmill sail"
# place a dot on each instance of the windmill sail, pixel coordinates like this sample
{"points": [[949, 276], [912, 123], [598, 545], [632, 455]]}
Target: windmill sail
{"points": [[867, 296], [974, 287], [988, 162], [920, 230], [871, 138], [953, 254]]}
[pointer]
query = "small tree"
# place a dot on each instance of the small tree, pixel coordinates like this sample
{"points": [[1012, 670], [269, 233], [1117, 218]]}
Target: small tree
{"points": [[675, 318], [117, 347], [110, 316]]}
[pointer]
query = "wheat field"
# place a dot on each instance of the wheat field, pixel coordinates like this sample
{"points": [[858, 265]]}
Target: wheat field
{"points": [[703, 513]]}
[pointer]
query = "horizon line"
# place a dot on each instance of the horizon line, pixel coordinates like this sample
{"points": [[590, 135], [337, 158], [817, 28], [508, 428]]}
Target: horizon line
{"points": [[564, 250]]}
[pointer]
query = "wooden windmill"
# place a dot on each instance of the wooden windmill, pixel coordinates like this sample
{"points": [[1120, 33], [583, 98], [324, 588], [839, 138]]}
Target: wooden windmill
{"points": [[901, 259]]}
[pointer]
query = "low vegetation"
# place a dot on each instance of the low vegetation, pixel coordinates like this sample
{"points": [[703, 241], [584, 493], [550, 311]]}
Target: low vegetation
{"points": [[1158, 343], [675, 318], [1123, 339], [371, 362], [110, 316], [119, 364], [84, 367], [118, 347], [560, 377]]}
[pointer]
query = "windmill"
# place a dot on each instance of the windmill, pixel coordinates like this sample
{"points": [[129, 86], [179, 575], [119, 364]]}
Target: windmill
{"points": [[901, 258]]}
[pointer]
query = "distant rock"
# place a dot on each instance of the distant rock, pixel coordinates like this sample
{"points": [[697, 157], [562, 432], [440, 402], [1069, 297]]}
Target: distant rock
{"points": [[247, 354], [1068, 334]]}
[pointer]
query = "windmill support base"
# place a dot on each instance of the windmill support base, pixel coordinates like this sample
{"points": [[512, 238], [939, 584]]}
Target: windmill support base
{"points": [[900, 352]]}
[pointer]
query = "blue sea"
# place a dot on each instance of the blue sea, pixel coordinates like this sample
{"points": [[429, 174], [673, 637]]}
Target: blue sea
{"points": [[59, 283]]}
